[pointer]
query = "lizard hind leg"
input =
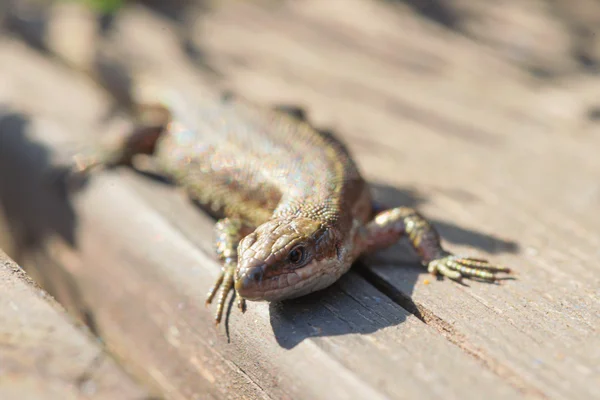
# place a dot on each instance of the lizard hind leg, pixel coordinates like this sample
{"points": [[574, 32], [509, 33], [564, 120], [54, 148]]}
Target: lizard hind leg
{"points": [[125, 148], [228, 233], [119, 150], [120, 147], [391, 225]]}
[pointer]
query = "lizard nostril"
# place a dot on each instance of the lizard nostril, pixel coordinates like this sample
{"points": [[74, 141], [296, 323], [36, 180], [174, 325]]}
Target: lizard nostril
{"points": [[256, 275], [248, 283]]}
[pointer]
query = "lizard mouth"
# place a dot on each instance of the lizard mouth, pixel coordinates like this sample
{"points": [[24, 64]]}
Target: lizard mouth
{"points": [[256, 284]]}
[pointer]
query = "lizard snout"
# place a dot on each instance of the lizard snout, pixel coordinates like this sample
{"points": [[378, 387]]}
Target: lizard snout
{"points": [[248, 282]]}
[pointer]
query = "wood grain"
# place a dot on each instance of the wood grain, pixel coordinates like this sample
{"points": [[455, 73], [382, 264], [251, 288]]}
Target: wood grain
{"points": [[521, 179], [44, 355], [488, 148], [143, 280], [503, 162]]}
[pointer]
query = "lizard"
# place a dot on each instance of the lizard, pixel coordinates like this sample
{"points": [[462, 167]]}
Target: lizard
{"points": [[294, 212]]}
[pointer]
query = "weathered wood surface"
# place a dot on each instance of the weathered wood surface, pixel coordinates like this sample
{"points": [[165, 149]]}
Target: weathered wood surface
{"points": [[143, 282], [44, 355], [505, 163]]}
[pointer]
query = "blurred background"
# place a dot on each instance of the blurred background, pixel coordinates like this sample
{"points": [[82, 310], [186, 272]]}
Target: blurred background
{"points": [[550, 39], [540, 43]]}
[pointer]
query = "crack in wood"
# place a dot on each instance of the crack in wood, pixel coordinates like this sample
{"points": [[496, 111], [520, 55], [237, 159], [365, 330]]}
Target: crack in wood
{"points": [[451, 334]]}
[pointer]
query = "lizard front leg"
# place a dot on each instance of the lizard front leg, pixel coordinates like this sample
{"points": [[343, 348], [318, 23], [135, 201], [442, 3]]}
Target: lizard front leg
{"points": [[228, 233], [389, 226]]}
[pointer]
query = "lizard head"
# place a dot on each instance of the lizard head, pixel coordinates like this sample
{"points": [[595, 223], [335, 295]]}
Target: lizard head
{"points": [[286, 258]]}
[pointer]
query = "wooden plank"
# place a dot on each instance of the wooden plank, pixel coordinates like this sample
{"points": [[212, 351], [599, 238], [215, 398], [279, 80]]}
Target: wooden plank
{"points": [[498, 179], [142, 280], [44, 355], [420, 99]]}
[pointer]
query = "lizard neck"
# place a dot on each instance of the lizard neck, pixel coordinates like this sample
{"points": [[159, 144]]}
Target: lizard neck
{"points": [[324, 210], [322, 182]]}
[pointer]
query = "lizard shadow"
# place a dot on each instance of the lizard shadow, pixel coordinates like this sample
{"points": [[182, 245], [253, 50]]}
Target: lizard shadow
{"points": [[349, 306]]}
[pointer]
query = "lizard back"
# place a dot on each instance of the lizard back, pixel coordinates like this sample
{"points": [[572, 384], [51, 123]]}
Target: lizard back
{"points": [[241, 159]]}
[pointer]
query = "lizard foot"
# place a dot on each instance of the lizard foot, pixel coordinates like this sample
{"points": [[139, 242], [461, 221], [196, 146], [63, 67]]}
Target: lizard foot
{"points": [[457, 267], [224, 282]]}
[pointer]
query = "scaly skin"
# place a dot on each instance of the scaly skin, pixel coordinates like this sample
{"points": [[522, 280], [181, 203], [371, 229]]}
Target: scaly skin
{"points": [[296, 210]]}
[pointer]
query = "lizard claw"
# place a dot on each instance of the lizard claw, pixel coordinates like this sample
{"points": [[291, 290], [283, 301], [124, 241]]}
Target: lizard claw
{"points": [[457, 267], [213, 290], [225, 283], [241, 303]]}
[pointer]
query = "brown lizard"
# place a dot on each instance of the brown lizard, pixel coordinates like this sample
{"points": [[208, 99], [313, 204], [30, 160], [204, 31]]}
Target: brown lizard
{"points": [[295, 211]]}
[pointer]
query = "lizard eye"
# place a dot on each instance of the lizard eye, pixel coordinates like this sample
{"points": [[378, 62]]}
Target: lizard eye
{"points": [[297, 255]]}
